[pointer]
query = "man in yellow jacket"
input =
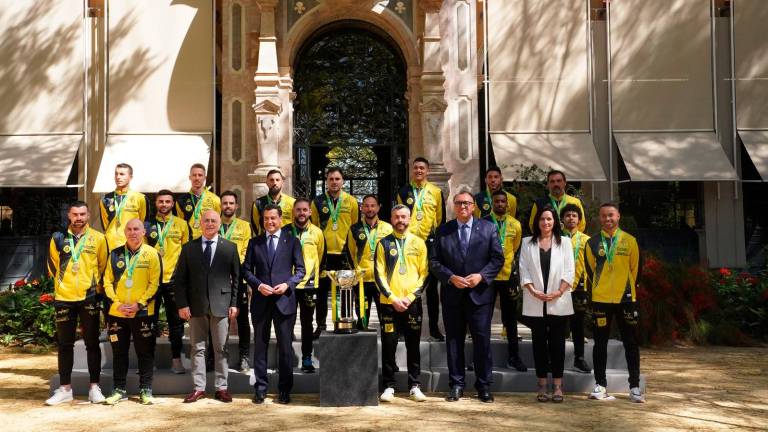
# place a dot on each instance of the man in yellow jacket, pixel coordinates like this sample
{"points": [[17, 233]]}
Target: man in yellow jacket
{"points": [[571, 216], [191, 206], [120, 206], [130, 284], [76, 261], [557, 198], [401, 267]]}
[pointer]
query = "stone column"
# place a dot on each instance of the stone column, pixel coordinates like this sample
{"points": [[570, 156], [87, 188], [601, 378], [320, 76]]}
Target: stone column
{"points": [[433, 104], [267, 106]]}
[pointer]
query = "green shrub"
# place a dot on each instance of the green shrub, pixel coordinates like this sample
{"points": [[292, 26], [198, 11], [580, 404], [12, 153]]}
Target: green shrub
{"points": [[27, 313]]}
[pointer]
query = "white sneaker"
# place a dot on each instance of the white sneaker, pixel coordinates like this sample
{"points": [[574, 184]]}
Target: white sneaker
{"points": [[60, 396], [388, 395], [599, 393], [635, 395], [95, 395], [417, 395]]}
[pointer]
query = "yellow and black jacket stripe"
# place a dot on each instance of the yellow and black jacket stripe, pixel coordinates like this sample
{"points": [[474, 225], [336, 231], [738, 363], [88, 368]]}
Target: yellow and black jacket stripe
{"points": [[241, 235], [146, 278], [178, 234], [483, 207], [613, 283], [433, 206], [390, 282], [511, 245], [349, 214], [185, 209], [68, 285], [358, 251], [136, 206], [257, 209], [580, 276], [568, 200], [313, 250]]}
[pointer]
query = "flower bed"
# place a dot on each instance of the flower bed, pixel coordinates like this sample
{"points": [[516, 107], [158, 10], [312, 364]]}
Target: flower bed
{"points": [[27, 313]]}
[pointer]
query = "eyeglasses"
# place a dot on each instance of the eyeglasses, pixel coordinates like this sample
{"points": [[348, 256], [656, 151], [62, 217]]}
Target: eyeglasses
{"points": [[463, 203]]}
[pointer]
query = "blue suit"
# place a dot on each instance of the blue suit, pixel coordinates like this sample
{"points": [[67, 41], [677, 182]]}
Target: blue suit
{"points": [[468, 306], [287, 266]]}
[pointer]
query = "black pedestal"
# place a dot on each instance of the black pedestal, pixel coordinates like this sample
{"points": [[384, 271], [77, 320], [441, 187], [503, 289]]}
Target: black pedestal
{"points": [[349, 372]]}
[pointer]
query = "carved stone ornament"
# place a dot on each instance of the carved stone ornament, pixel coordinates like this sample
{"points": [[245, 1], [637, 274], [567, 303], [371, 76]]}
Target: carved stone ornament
{"points": [[433, 104], [267, 107]]}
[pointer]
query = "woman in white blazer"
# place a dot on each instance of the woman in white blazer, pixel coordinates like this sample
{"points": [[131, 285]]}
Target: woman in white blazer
{"points": [[546, 274]]}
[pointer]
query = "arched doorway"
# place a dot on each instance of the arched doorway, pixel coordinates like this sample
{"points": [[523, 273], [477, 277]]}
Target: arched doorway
{"points": [[350, 111]]}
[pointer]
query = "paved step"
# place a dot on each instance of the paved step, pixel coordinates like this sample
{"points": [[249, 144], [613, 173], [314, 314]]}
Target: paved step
{"points": [[433, 354]]}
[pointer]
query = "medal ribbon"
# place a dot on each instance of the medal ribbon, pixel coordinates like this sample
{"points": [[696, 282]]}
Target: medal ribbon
{"points": [[610, 253], [77, 251], [400, 249], [229, 232], [371, 235], [557, 207], [334, 210], [576, 249], [198, 205], [130, 264], [502, 228], [488, 198], [163, 232], [297, 235], [120, 205], [418, 196]]}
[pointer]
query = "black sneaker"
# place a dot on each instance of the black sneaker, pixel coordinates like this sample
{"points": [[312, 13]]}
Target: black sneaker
{"points": [[437, 336], [581, 365], [306, 365], [516, 363]]}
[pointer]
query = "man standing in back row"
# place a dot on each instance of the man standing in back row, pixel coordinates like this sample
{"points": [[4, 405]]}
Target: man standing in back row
{"points": [[425, 201], [197, 201], [275, 196], [120, 206], [557, 198]]}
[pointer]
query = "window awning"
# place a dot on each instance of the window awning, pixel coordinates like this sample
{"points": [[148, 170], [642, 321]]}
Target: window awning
{"points": [[158, 161], [756, 143], [574, 154], [37, 160], [674, 156]]}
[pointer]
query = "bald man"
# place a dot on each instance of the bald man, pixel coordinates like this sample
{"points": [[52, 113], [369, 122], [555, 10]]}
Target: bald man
{"points": [[207, 276]]}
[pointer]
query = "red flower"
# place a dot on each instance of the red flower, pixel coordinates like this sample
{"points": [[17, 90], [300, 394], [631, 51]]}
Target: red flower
{"points": [[20, 283], [725, 272], [46, 298]]}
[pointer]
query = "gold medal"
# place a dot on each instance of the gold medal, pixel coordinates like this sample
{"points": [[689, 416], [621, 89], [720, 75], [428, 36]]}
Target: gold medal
{"points": [[75, 267], [335, 226], [419, 215], [118, 223], [161, 252], [403, 270], [196, 225], [129, 283]]}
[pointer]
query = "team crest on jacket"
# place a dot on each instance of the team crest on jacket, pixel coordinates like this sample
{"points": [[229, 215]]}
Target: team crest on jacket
{"points": [[66, 249], [153, 234], [188, 208], [393, 252], [486, 206], [111, 208], [409, 201], [361, 236], [120, 264], [325, 210], [601, 252]]}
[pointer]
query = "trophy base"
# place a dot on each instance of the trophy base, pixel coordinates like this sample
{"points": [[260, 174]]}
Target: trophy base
{"points": [[344, 328]]}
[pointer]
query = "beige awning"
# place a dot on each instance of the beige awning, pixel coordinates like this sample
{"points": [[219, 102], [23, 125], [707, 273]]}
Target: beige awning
{"points": [[750, 59], [158, 161], [674, 156], [37, 160], [574, 154], [756, 143]]}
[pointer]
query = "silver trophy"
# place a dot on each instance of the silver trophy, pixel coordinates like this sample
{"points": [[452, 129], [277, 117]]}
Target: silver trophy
{"points": [[343, 283]]}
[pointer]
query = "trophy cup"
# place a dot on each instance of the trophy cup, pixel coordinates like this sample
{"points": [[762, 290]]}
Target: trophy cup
{"points": [[343, 300]]}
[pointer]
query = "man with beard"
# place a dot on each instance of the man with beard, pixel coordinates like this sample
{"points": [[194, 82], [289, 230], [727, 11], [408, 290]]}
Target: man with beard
{"points": [[361, 247], [313, 249], [239, 232], [401, 267], [493, 182], [557, 198], [120, 206], [197, 201], [167, 234], [334, 212], [76, 261], [274, 196]]}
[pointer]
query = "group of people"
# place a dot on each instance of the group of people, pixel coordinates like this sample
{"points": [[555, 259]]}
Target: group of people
{"points": [[209, 268]]}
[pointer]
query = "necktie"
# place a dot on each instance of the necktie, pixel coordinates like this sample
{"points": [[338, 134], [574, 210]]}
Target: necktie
{"points": [[464, 238], [207, 253], [271, 248]]}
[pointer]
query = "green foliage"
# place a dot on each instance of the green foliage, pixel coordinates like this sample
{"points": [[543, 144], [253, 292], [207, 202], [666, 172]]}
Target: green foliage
{"points": [[27, 313], [743, 301]]}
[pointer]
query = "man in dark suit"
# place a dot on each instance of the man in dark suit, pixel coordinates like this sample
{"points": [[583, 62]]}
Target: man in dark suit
{"points": [[273, 265], [466, 258], [207, 276]]}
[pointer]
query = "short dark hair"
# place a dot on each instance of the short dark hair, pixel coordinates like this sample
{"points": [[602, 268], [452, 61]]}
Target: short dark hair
{"points": [[334, 169], [421, 159], [229, 193], [275, 171], [302, 200], [571, 208], [493, 168], [556, 172], [273, 207], [197, 165], [557, 230], [125, 165], [609, 204], [371, 196], [165, 192], [78, 204], [499, 192]]}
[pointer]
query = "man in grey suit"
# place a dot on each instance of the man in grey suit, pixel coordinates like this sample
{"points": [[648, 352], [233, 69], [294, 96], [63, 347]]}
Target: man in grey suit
{"points": [[207, 276]]}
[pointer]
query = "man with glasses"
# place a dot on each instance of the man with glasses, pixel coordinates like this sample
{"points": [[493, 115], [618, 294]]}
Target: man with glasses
{"points": [[466, 258]]}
